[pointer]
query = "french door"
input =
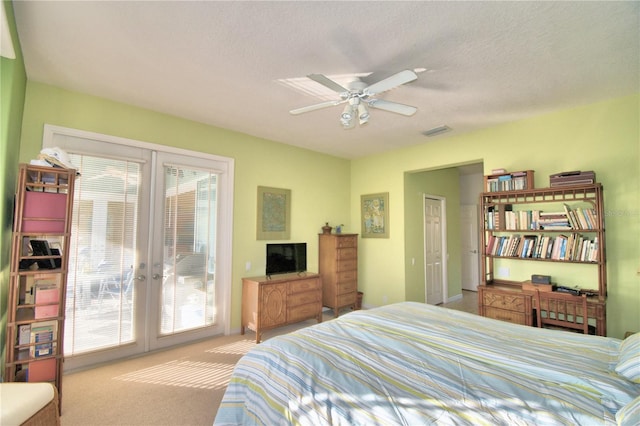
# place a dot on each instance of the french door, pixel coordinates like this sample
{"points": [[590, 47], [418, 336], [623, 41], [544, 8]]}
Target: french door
{"points": [[149, 263]]}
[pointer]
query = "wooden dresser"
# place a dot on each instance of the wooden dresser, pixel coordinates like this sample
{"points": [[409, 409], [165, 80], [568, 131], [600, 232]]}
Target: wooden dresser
{"points": [[283, 299], [338, 264]]}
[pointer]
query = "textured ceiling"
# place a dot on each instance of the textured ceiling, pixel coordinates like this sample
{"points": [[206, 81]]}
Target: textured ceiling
{"points": [[218, 62]]}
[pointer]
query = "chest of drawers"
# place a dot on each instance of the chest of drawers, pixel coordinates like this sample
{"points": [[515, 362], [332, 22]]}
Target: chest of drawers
{"points": [[338, 267]]}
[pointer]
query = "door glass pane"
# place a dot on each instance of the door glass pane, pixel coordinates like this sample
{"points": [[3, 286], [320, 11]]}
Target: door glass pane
{"points": [[188, 287], [100, 285]]}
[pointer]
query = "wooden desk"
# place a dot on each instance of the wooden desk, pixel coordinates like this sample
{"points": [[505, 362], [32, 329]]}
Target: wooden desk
{"points": [[513, 304]]}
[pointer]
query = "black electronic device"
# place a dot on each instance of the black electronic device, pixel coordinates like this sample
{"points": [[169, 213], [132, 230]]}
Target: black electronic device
{"points": [[41, 248], [540, 279], [285, 258], [569, 290]]}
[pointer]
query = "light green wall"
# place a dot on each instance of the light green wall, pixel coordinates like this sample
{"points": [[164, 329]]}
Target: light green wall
{"points": [[319, 183], [13, 81], [603, 137]]}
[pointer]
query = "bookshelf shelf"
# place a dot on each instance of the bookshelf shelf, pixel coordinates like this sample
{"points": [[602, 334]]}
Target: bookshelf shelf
{"points": [[563, 226], [38, 275]]}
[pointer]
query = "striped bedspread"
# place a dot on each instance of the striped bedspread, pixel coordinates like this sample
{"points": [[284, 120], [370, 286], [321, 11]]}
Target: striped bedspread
{"points": [[415, 364]]}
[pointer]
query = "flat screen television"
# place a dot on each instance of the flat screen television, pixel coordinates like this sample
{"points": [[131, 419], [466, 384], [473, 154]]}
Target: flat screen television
{"points": [[285, 258]]}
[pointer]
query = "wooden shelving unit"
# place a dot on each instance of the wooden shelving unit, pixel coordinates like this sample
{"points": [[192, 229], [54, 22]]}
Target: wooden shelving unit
{"points": [[39, 267], [513, 181], [514, 229]]}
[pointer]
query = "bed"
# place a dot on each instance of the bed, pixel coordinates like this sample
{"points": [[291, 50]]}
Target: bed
{"points": [[413, 364]]}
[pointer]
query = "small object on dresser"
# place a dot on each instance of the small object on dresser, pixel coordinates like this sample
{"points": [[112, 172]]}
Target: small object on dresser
{"points": [[572, 178], [541, 279], [531, 286], [563, 289], [326, 229]]}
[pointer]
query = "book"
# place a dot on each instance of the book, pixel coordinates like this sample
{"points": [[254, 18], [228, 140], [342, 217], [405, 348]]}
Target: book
{"points": [[24, 334], [42, 371], [42, 339], [46, 296]]}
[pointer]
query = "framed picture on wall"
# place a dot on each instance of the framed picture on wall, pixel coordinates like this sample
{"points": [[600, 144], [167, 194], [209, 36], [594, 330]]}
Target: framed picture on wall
{"points": [[274, 214], [375, 215]]}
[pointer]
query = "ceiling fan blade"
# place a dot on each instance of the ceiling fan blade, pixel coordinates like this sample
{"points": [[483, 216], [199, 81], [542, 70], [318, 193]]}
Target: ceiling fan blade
{"points": [[391, 82], [392, 107], [327, 82], [316, 106]]}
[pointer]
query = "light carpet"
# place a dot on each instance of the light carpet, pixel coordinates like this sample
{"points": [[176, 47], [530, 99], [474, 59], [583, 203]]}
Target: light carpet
{"points": [[179, 386]]}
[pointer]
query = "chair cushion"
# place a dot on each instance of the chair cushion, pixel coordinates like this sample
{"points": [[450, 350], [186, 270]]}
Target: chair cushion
{"points": [[20, 401]]}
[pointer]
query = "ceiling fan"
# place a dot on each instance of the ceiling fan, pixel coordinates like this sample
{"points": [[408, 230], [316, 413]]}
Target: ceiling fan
{"points": [[358, 97]]}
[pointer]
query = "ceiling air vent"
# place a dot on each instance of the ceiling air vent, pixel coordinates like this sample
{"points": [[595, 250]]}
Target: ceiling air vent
{"points": [[436, 131]]}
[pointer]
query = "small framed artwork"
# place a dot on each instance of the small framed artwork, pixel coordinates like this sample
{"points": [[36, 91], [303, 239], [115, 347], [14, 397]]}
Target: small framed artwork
{"points": [[375, 215], [274, 213]]}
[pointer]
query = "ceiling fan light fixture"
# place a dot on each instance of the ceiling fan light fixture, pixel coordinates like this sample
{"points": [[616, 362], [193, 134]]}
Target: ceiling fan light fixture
{"points": [[347, 113], [363, 114], [347, 116]]}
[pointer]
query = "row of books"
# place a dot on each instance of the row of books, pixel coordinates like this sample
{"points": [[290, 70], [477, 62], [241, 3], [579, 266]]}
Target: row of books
{"points": [[573, 247], [507, 182], [569, 219], [44, 292], [41, 338]]}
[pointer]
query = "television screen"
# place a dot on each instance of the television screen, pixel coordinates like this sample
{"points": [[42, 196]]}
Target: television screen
{"points": [[286, 257]]}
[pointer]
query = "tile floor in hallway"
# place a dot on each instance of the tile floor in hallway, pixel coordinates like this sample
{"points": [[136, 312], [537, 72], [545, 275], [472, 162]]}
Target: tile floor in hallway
{"points": [[468, 303]]}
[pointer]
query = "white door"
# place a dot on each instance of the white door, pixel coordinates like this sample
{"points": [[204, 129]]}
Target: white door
{"points": [[470, 255], [138, 212], [184, 273], [434, 250]]}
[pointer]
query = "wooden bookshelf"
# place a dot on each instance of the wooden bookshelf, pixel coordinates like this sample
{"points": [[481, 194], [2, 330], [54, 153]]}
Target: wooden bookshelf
{"points": [[513, 181], [38, 275], [515, 229]]}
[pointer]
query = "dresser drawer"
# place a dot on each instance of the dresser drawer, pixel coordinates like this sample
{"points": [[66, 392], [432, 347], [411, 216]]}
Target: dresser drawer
{"points": [[347, 265], [346, 287], [303, 312], [510, 302], [346, 253], [505, 315], [343, 276], [296, 299], [347, 299], [304, 285], [350, 241]]}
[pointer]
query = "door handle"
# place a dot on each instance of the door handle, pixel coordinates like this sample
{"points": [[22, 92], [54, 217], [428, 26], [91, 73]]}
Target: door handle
{"points": [[141, 277], [156, 276]]}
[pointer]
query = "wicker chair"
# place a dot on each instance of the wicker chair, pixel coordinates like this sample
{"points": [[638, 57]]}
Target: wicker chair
{"points": [[562, 311]]}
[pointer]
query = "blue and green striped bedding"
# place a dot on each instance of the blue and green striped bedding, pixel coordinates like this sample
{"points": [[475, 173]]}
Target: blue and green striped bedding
{"points": [[414, 364]]}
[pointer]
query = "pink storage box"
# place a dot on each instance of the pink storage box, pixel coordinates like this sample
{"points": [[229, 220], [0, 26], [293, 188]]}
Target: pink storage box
{"points": [[44, 205], [46, 311]]}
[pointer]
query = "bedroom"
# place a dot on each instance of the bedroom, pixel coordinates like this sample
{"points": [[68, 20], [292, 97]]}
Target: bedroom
{"points": [[336, 183]]}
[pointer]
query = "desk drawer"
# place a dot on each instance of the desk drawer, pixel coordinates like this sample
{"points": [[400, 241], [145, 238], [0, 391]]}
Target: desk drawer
{"points": [[505, 315], [509, 302]]}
